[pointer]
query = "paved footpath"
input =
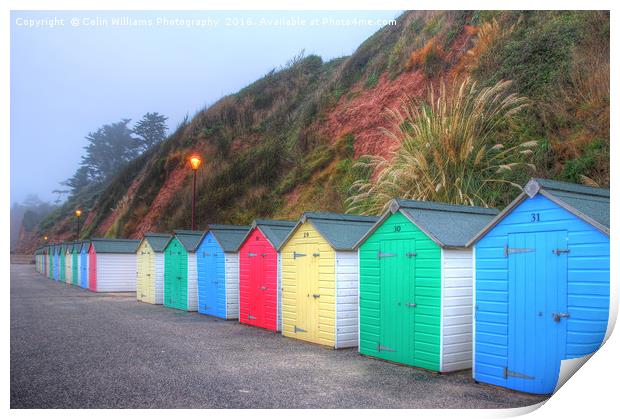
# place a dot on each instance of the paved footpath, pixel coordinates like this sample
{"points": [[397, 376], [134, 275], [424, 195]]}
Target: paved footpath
{"points": [[71, 348]]}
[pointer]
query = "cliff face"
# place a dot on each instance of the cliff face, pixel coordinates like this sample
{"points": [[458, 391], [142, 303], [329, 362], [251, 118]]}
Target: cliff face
{"points": [[288, 142]]}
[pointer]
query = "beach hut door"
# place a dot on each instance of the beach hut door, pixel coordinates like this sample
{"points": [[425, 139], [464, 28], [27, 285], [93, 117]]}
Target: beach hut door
{"points": [[210, 305], [256, 314], [306, 326], [398, 301], [537, 312]]}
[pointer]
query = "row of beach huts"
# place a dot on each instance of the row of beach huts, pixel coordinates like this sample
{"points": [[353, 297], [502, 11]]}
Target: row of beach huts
{"points": [[442, 287]]}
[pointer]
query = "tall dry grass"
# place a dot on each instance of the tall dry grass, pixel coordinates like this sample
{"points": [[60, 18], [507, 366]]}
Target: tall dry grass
{"points": [[452, 147], [487, 36]]}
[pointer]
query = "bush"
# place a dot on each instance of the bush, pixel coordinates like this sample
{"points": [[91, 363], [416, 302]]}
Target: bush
{"points": [[371, 80], [430, 58], [587, 167], [456, 147], [534, 56]]}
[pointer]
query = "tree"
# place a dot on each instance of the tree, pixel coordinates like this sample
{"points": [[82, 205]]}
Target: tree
{"points": [[26, 216], [112, 146], [32, 200], [109, 149], [151, 129], [79, 180], [60, 193]]}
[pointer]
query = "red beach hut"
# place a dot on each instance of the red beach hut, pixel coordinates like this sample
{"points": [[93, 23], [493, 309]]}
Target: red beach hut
{"points": [[259, 274]]}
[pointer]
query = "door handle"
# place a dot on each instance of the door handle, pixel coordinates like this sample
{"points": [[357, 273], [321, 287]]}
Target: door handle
{"points": [[316, 295], [263, 287], [558, 316], [411, 305], [558, 252]]}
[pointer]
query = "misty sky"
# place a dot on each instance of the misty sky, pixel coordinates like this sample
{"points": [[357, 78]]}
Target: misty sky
{"points": [[71, 72]]}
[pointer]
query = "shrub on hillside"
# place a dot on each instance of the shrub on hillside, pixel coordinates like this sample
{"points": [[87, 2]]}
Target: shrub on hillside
{"points": [[430, 58], [455, 147]]}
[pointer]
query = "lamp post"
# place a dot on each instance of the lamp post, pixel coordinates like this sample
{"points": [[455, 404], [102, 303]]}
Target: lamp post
{"points": [[194, 162], [78, 213]]}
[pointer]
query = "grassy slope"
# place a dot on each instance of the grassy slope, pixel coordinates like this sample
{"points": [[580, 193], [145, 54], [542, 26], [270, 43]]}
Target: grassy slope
{"points": [[269, 153]]}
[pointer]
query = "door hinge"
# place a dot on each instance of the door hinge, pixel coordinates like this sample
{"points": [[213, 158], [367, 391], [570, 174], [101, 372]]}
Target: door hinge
{"points": [[384, 348], [509, 250], [298, 255], [560, 251], [298, 329], [508, 373], [384, 255]]}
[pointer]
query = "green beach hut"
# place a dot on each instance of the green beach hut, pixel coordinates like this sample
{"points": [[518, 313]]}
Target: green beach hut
{"points": [[75, 267], [180, 270], [62, 248], [50, 261], [415, 282]]}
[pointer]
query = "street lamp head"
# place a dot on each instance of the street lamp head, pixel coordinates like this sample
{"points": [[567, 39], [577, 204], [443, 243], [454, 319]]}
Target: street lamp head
{"points": [[195, 161], [78, 212], [45, 238]]}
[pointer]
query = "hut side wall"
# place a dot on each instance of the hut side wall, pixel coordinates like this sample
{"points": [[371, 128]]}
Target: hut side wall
{"points": [[116, 272], [232, 284], [456, 310], [347, 298]]}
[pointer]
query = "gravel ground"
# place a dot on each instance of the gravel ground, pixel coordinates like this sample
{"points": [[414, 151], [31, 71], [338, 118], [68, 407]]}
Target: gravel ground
{"points": [[71, 348]]}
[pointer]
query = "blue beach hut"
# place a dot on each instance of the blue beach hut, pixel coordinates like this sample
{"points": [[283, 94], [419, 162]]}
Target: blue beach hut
{"points": [[56, 253], [541, 285], [83, 274], [218, 270]]}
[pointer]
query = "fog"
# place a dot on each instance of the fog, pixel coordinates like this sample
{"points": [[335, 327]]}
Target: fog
{"points": [[72, 72]]}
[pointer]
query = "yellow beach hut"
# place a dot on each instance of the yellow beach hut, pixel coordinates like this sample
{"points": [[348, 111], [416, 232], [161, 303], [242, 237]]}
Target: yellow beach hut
{"points": [[150, 268], [320, 278]]}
